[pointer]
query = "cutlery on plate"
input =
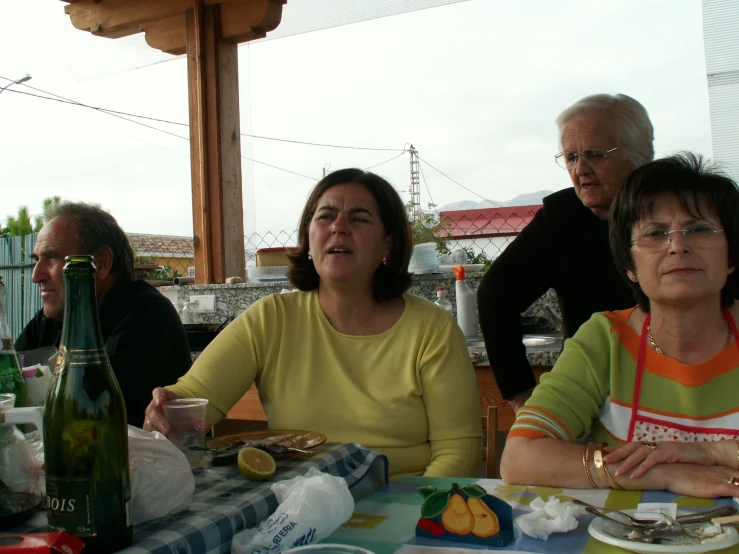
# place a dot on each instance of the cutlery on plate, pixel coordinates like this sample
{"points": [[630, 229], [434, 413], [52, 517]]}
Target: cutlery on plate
{"points": [[634, 526], [685, 519], [634, 520]]}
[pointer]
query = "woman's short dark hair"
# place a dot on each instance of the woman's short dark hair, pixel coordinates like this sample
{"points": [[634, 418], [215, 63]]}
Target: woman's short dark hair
{"points": [[391, 279], [697, 185], [97, 228]]}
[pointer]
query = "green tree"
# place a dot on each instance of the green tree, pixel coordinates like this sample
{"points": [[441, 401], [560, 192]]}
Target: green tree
{"points": [[20, 224], [429, 228]]}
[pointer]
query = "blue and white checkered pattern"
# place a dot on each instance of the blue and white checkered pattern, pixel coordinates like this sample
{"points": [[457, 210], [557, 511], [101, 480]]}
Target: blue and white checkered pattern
{"points": [[225, 502]]}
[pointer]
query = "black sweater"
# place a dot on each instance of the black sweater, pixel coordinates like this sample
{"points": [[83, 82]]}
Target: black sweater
{"points": [[565, 247], [144, 338]]}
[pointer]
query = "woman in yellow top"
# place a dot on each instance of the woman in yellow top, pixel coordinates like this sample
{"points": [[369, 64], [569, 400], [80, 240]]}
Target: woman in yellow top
{"points": [[351, 354]]}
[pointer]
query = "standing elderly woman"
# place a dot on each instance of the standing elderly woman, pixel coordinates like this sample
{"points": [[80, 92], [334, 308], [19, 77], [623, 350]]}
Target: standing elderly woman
{"points": [[351, 355], [565, 247], [662, 378]]}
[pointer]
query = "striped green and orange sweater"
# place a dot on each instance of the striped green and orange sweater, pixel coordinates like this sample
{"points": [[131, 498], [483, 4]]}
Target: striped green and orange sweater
{"points": [[591, 388]]}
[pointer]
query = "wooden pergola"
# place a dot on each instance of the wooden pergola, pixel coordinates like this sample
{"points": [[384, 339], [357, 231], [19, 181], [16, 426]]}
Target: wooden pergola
{"points": [[209, 32]]}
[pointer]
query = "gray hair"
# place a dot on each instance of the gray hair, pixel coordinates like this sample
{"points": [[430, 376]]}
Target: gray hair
{"points": [[96, 228], [633, 129]]}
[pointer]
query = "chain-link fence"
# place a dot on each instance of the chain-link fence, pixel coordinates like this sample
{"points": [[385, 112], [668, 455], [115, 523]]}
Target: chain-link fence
{"points": [[483, 234]]}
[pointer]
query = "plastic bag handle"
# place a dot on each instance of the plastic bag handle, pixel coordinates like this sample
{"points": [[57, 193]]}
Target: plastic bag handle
{"points": [[17, 416]]}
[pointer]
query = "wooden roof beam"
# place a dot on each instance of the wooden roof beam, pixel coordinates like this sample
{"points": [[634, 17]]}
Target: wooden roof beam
{"points": [[163, 21]]}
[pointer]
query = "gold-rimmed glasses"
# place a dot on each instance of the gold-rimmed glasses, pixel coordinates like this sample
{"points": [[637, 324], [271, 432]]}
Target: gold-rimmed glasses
{"points": [[592, 156], [697, 236]]}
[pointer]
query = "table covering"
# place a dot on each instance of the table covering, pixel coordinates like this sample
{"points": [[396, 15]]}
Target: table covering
{"points": [[385, 521], [225, 502]]}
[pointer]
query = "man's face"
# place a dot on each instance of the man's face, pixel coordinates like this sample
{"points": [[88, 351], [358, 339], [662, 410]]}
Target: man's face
{"points": [[55, 241]]}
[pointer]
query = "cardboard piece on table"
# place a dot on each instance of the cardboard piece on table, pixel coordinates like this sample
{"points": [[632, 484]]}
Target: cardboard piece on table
{"points": [[465, 514], [59, 542]]}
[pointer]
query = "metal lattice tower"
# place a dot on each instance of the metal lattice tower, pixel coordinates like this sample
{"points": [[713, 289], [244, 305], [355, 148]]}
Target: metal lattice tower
{"points": [[415, 188]]}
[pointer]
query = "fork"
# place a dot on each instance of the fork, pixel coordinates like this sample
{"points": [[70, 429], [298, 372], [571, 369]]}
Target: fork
{"points": [[634, 520]]}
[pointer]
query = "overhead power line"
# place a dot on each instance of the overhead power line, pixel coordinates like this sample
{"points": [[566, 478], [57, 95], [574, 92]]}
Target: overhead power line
{"points": [[64, 100], [460, 184], [123, 115], [386, 161]]}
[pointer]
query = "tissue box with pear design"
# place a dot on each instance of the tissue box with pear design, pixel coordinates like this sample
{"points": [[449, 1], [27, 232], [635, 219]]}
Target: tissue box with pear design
{"points": [[466, 514]]}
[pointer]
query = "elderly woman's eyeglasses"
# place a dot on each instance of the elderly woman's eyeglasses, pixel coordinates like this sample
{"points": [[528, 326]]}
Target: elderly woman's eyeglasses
{"points": [[695, 236], [592, 156]]}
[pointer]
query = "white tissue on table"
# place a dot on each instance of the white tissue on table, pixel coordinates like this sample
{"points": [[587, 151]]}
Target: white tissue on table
{"points": [[549, 517]]}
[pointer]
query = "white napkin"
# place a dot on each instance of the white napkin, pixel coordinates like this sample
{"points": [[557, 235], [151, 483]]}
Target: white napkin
{"points": [[549, 517]]}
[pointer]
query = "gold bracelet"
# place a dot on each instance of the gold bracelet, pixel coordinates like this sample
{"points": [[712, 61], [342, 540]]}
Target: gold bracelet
{"points": [[600, 465], [600, 468], [614, 484], [586, 463]]}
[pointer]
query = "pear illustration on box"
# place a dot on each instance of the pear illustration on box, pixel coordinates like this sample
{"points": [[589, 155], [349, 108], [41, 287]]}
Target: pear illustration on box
{"points": [[465, 513]]}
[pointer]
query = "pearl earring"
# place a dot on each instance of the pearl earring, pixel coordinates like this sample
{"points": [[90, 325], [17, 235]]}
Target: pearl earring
{"points": [[309, 256], [384, 261]]}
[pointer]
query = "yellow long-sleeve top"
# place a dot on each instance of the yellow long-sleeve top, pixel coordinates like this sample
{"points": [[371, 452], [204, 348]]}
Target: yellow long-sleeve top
{"points": [[409, 393]]}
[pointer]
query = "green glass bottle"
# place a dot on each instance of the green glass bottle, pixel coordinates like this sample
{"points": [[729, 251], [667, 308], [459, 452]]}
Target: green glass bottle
{"points": [[11, 376], [88, 489]]}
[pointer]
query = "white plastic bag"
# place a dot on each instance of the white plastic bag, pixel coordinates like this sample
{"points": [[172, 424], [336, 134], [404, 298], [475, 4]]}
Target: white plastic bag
{"points": [[161, 479], [312, 506]]}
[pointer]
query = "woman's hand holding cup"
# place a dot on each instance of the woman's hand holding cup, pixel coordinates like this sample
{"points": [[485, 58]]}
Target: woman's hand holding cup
{"points": [[155, 419]]}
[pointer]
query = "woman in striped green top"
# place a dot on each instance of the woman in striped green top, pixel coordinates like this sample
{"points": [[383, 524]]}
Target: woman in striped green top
{"points": [[648, 398]]}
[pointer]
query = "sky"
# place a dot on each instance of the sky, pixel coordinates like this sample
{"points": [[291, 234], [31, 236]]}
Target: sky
{"points": [[474, 86]]}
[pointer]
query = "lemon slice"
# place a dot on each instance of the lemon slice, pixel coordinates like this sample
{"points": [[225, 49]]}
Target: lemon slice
{"points": [[256, 464]]}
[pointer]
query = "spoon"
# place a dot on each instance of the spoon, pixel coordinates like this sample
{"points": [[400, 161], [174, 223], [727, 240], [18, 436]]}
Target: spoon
{"points": [[634, 525]]}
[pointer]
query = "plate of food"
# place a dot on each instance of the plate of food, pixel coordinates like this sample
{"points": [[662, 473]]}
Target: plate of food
{"points": [[290, 438], [468, 268], [702, 537]]}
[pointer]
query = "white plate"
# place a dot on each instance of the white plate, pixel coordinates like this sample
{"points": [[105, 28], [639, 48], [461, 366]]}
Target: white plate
{"points": [[469, 268], [601, 529]]}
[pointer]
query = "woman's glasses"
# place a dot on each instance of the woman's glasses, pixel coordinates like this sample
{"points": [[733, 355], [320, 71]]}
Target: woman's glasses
{"points": [[697, 236], [591, 156]]}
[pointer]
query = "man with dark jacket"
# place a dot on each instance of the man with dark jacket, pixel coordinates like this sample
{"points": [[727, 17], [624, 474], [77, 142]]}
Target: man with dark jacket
{"points": [[144, 337]]}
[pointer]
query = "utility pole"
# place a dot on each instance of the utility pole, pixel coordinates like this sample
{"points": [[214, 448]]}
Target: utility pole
{"points": [[415, 188]]}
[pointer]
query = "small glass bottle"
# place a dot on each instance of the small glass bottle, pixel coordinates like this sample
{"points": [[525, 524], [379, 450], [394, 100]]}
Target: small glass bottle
{"points": [[443, 301], [11, 376]]}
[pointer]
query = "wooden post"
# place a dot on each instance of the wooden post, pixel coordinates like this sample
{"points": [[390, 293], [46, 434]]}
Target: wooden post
{"points": [[209, 32], [215, 148]]}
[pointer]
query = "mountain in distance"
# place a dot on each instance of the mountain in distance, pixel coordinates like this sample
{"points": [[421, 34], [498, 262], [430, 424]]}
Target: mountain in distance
{"points": [[527, 199]]}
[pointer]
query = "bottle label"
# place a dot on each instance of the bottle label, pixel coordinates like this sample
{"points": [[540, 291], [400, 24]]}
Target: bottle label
{"points": [[78, 357], [7, 346], [69, 505]]}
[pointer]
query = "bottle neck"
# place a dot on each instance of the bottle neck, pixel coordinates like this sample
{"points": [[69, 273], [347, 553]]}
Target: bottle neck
{"points": [[81, 328]]}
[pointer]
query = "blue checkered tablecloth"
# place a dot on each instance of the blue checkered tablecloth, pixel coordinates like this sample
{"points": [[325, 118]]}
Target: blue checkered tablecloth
{"points": [[225, 502]]}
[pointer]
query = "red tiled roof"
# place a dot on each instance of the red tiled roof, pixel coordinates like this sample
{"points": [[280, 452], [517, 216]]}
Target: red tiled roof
{"points": [[488, 222]]}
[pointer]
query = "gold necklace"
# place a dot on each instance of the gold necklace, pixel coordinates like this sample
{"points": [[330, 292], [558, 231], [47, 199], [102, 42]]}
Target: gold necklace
{"points": [[659, 351]]}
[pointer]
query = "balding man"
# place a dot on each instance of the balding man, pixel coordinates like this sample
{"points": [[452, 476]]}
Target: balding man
{"points": [[144, 337]]}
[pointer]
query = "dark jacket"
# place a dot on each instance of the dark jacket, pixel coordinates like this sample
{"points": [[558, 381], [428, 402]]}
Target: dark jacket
{"points": [[144, 339], [566, 248]]}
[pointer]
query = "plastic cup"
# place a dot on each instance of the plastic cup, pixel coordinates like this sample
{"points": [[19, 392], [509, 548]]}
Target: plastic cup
{"points": [[187, 419]]}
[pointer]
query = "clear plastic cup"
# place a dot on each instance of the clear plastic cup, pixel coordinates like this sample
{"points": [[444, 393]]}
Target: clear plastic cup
{"points": [[187, 419]]}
